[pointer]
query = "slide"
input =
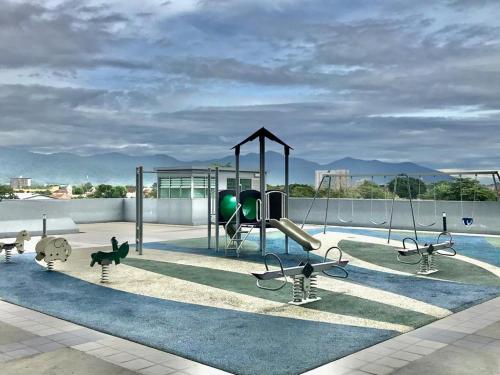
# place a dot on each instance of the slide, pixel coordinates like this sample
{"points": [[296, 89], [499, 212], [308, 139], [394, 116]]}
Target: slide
{"points": [[296, 233]]}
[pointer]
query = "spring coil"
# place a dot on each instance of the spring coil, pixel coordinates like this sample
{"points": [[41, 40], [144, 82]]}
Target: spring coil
{"points": [[50, 266], [8, 255], [313, 286], [424, 264], [432, 262], [105, 273], [298, 293]]}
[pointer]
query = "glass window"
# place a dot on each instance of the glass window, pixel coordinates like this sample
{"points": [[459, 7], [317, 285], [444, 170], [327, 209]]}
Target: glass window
{"points": [[246, 183], [175, 187]]}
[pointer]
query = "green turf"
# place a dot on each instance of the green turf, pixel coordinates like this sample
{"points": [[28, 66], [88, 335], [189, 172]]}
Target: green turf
{"points": [[450, 269], [245, 284]]}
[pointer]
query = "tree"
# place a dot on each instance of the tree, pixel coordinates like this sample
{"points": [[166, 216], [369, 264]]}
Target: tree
{"points": [[369, 190], [469, 189], [153, 192], [402, 186], [301, 190], [6, 192], [87, 187], [108, 191], [78, 190]]}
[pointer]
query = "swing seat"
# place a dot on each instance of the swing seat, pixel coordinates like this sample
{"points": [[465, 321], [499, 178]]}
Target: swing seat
{"points": [[468, 221]]}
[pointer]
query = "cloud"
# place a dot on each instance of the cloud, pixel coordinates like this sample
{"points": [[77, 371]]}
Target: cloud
{"points": [[387, 80]]}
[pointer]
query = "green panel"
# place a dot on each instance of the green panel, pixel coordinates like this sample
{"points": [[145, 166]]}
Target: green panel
{"points": [[175, 193], [249, 208], [186, 193], [450, 268], [200, 192], [164, 193], [227, 206], [245, 284]]}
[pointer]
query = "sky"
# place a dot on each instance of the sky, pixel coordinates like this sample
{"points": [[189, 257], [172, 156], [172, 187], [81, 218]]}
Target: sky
{"points": [[389, 80]]}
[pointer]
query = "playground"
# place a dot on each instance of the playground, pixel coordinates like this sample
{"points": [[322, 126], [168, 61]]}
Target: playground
{"points": [[205, 306], [254, 292]]}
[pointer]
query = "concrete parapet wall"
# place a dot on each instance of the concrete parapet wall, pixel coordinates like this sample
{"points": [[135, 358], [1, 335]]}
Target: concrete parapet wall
{"points": [[486, 214], [63, 216]]}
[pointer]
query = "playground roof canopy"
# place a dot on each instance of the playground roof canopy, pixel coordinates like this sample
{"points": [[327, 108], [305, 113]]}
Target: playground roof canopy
{"points": [[267, 134]]}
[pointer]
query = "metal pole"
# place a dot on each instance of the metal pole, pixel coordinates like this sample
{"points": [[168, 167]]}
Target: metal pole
{"points": [[137, 204], [262, 171], [411, 208], [209, 198], [217, 229], [237, 167], [392, 208], [44, 225], [327, 204], [139, 230], [314, 199], [287, 190], [495, 182]]}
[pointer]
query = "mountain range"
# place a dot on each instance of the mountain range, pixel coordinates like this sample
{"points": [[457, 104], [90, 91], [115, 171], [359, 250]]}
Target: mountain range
{"points": [[118, 168]]}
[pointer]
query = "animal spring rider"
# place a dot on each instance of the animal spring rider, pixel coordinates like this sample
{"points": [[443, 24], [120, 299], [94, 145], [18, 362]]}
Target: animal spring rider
{"points": [[104, 259], [21, 237], [305, 274], [427, 253], [50, 249]]}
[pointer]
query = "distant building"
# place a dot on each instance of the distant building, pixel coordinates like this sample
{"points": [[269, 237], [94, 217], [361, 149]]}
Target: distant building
{"points": [[64, 192], [20, 182], [192, 182], [337, 182], [130, 191]]}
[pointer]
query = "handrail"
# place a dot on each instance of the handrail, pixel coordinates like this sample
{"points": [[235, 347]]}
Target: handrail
{"points": [[238, 206], [258, 209], [244, 238], [267, 269], [404, 247], [346, 274], [258, 205], [450, 241]]}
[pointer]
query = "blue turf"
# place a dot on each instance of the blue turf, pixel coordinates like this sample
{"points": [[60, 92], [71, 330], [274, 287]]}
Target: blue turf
{"points": [[238, 342]]}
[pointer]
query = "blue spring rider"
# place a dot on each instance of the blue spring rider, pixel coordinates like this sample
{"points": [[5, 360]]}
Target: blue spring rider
{"points": [[468, 221]]}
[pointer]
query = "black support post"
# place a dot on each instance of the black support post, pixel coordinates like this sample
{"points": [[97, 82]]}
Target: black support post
{"points": [[262, 175]]}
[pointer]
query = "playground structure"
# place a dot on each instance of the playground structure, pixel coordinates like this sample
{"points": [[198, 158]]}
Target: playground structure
{"points": [[105, 259], [466, 218], [50, 249], [18, 244], [305, 274], [240, 212], [427, 253]]}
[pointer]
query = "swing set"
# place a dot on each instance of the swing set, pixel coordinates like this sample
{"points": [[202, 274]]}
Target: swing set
{"points": [[344, 183]]}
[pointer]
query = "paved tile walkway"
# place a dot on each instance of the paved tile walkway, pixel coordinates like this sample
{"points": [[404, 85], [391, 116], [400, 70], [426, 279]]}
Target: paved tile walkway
{"points": [[27, 333], [475, 328]]}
